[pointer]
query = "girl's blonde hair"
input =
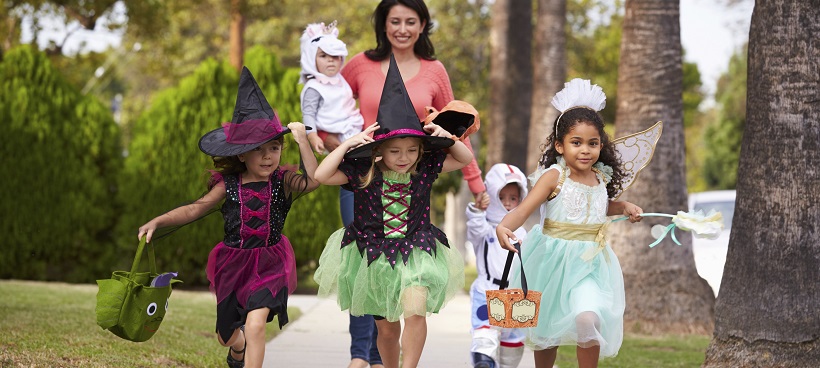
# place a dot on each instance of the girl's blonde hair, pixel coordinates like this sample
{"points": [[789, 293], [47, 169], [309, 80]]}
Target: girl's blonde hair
{"points": [[367, 178]]}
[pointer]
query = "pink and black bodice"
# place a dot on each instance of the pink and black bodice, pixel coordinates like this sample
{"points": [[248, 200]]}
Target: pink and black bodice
{"points": [[392, 214], [254, 212]]}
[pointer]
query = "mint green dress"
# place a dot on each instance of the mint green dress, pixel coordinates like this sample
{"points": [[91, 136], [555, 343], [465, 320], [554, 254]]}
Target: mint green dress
{"points": [[574, 272], [391, 261]]}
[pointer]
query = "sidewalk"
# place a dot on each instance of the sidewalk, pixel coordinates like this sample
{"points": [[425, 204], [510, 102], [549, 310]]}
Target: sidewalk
{"points": [[319, 338]]}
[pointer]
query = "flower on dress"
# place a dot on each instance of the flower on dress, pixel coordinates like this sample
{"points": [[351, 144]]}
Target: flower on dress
{"points": [[605, 169]]}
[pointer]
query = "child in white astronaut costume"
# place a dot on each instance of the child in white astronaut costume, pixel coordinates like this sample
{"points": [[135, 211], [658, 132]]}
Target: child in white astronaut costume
{"points": [[494, 347]]}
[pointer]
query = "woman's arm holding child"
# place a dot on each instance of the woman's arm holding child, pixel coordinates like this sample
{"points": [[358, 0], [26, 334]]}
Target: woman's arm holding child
{"points": [[458, 155], [328, 172], [543, 188], [184, 214], [625, 208]]}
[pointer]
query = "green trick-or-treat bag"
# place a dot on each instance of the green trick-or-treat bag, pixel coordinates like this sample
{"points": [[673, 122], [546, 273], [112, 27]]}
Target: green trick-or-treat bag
{"points": [[133, 304]]}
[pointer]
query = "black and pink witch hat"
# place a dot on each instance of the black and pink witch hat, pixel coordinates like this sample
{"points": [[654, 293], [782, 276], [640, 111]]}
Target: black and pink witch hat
{"points": [[397, 118], [254, 122]]}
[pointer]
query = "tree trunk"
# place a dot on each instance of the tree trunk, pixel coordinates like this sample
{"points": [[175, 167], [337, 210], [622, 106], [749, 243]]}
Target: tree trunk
{"points": [[549, 74], [237, 34], [767, 313], [12, 33], [663, 290], [510, 81]]}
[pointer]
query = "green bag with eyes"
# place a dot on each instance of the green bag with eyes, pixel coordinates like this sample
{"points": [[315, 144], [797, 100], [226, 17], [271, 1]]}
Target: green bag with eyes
{"points": [[133, 304]]}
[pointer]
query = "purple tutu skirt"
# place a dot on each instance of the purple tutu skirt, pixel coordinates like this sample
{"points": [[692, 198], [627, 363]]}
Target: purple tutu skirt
{"points": [[244, 272]]}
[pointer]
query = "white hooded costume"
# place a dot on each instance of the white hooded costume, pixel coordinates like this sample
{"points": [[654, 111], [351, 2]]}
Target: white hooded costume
{"points": [[327, 102], [504, 346]]}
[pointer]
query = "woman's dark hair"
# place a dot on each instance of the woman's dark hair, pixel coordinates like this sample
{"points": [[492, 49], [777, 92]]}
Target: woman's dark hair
{"points": [[423, 47], [583, 115]]}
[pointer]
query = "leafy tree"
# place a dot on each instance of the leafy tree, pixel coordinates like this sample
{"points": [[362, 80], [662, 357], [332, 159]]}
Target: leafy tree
{"points": [[722, 136], [62, 158], [143, 17]]}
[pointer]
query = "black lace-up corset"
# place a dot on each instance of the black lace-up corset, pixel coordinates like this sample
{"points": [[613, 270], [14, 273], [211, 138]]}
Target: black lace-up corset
{"points": [[254, 212]]}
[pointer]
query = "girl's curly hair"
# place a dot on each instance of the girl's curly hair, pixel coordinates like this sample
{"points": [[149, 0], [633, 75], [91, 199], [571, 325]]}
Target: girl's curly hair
{"points": [[609, 157]]}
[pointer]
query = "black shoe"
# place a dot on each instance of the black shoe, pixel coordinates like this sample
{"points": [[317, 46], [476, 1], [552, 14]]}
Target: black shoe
{"points": [[233, 363]]}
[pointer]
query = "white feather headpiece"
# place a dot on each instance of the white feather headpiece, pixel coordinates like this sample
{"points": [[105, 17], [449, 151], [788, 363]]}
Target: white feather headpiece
{"points": [[579, 93]]}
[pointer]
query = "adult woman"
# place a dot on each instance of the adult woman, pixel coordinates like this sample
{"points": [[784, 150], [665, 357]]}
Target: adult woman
{"points": [[402, 27]]}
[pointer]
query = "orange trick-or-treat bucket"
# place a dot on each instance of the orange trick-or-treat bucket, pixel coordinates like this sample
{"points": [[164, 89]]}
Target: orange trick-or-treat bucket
{"points": [[513, 308]]}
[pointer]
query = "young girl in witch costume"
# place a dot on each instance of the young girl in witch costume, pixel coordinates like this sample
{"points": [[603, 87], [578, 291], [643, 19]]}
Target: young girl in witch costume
{"points": [[252, 271], [391, 262], [567, 257]]}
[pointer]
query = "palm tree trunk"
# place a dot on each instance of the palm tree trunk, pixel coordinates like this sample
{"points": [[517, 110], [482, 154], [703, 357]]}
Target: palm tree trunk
{"points": [[549, 74], [663, 290], [237, 34], [510, 81], [767, 312]]}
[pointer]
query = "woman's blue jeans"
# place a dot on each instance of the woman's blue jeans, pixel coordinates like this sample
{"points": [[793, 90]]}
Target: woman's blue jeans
{"points": [[363, 331]]}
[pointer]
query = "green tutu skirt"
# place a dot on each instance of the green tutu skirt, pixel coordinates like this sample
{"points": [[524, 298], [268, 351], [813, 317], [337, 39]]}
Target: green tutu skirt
{"points": [[420, 287]]}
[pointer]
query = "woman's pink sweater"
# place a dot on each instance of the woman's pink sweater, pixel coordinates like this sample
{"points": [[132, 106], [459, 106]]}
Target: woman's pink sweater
{"points": [[430, 87]]}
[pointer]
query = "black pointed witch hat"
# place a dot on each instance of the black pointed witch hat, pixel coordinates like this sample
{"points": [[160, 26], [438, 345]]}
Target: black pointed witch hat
{"points": [[397, 118], [254, 122]]}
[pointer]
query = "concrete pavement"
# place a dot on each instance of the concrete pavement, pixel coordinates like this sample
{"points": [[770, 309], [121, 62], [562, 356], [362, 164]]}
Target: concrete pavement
{"points": [[319, 338]]}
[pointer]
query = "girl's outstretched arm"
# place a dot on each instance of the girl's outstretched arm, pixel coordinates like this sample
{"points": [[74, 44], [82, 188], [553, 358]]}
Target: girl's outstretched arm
{"points": [[328, 172], [184, 214], [458, 155], [625, 208], [513, 220], [308, 159]]}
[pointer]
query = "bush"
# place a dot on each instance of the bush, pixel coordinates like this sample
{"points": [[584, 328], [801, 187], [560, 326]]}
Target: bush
{"points": [[62, 156]]}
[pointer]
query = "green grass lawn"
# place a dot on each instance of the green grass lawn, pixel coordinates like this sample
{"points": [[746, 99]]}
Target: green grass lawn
{"points": [[637, 351], [640, 351], [54, 325]]}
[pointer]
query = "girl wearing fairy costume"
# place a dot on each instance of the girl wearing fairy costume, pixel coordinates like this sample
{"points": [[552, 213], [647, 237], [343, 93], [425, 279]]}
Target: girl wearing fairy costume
{"points": [[252, 271], [391, 261], [566, 257]]}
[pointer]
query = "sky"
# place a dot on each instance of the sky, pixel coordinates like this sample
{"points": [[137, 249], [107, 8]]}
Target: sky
{"points": [[711, 32]]}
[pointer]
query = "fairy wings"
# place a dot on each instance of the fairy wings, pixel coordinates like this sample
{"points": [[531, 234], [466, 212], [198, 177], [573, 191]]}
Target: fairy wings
{"points": [[635, 152]]}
